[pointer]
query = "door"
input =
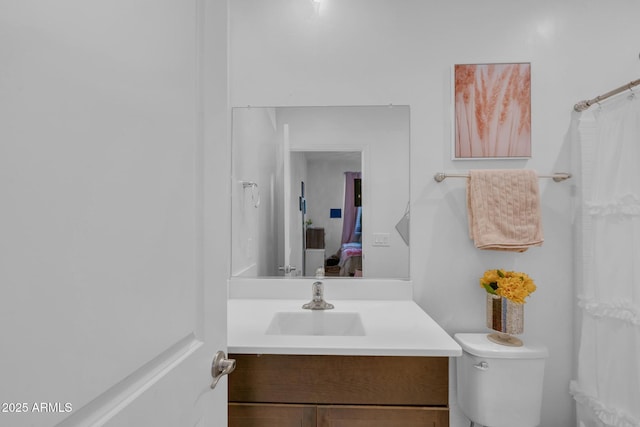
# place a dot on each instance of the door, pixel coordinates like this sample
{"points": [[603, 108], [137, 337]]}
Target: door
{"points": [[297, 208], [113, 263], [288, 267]]}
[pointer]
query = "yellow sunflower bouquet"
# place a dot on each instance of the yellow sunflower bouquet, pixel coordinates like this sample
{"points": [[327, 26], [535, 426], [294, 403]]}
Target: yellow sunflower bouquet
{"points": [[513, 285]]}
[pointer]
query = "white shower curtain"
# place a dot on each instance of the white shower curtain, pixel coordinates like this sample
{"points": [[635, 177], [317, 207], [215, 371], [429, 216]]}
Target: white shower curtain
{"points": [[607, 387]]}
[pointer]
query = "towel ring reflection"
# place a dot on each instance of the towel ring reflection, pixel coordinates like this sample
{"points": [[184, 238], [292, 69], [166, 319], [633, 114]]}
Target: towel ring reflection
{"points": [[255, 192]]}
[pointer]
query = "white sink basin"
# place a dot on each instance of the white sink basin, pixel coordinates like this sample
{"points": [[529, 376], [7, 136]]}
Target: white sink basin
{"points": [[316, 322]]}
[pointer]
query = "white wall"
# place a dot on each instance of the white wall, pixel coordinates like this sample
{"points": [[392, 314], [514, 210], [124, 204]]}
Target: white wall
{"points": [[401, 52], [254, 224], [325, 190]]}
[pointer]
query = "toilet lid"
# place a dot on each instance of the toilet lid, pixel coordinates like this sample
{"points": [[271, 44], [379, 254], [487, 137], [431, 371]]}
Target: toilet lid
{"points": [[479, 345]]}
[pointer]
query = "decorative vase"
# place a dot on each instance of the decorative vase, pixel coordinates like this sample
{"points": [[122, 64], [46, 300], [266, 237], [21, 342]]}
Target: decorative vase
{"points": [[506, 318]]}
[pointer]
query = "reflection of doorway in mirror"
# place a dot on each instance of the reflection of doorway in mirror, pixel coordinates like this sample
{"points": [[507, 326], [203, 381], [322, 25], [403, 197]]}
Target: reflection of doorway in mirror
{"points": [[324, 192]]}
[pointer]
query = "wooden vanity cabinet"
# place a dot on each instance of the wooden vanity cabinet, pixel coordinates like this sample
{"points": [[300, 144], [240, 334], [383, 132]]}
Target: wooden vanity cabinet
{"points": [[338, 391], [271, 415]]}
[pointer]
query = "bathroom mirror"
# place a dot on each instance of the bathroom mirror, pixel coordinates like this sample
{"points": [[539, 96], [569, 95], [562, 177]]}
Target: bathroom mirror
{"points": [[320, 187]]}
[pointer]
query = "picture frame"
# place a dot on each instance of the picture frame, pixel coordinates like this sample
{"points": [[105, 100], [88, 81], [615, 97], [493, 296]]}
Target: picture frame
{"points": [[491, 111]]}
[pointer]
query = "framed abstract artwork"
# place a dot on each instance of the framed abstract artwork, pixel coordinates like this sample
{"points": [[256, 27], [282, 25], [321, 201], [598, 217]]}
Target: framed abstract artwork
{"points": [[492, 111]]}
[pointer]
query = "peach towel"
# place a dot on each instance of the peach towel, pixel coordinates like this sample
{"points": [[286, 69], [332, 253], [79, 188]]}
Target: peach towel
{"points": [[504, 209]]}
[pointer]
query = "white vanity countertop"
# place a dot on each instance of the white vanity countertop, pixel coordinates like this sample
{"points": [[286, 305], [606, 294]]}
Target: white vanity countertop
{"points": [[392, 328]]}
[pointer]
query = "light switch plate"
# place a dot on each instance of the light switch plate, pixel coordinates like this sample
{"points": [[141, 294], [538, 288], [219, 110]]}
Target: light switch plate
{"points": [[380, 239]]}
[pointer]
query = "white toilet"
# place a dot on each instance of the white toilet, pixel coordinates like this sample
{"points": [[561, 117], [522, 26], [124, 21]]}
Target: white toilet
{"points": [[499, 386]]}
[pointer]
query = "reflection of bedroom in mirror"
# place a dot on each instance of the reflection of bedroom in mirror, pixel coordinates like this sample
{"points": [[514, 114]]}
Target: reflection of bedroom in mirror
{"points": [[320, 187], [331, 212]]}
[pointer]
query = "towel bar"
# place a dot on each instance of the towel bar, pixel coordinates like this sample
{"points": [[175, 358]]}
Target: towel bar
{"points": [[441, 176]]}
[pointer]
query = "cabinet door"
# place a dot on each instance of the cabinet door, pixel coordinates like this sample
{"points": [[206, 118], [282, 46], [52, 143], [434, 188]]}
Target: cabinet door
{"points": [[382, 416], [266, 415]]}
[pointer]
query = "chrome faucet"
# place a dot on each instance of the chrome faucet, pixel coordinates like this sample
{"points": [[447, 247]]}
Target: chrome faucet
{"points": [[318, 302]]}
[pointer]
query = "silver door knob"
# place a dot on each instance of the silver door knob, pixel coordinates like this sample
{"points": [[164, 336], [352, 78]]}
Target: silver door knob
{"points": [[483, 366], [221, 366]]}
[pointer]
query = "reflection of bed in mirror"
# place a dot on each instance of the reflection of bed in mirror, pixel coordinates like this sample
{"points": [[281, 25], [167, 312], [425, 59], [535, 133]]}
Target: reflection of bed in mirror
{"points": [[350, 253], [350, 259]]}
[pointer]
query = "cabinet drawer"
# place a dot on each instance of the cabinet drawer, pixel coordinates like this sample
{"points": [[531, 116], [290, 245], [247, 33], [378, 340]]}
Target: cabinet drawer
{"points": [[349, 380], [266, 415], [381, 416], [315, 238]]}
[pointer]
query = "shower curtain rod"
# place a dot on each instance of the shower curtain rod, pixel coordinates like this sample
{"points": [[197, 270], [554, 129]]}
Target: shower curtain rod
{"points": [[441, 176], [583, 105]]}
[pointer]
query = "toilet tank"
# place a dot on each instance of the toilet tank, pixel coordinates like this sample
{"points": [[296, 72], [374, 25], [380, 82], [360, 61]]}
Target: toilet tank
{"points": [[497, 385]]}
